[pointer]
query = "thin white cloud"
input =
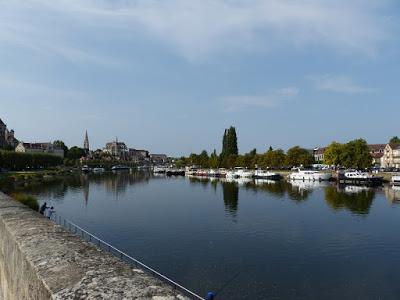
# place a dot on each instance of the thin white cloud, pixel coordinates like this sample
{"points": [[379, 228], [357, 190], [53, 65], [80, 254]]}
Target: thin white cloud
{"points": [[198, 28], [338, 84], [240, 102], [20, 88]]}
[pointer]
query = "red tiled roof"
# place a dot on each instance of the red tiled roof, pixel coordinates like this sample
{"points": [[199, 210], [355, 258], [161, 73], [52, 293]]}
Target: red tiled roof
{"points": [[319, 150], [376, 147], [377, 155]]}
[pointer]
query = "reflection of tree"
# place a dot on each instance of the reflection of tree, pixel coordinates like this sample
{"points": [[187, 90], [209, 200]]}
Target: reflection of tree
{"points": [[59, 186], [119, 181], [357, 202], [298, 193], [277, 188], [231, 197], [203, 180]]}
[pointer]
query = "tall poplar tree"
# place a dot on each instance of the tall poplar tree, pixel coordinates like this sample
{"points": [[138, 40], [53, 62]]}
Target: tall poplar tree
{"points": [[229, 145]]}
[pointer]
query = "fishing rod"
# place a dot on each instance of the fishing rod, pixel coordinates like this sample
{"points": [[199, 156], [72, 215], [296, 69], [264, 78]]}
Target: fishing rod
{"points": [[212, 295]]}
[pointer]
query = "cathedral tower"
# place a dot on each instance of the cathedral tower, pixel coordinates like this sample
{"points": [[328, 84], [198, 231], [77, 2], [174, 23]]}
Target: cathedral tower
{"points": [[86, 142]]}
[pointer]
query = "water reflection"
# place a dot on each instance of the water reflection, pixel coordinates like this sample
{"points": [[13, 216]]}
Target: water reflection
{"points": [[231, 197], [356, 199], [392, 194]]}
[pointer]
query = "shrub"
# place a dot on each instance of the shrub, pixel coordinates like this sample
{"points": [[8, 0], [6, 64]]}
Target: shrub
{"points": [[27, 200]]}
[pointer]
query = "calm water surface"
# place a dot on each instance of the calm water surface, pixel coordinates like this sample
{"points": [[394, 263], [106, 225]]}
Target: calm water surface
{"points": [[245, 240]]}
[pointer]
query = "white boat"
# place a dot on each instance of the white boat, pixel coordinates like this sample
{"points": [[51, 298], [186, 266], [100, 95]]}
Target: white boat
{"points": [[213, 173], [222, 172], [98, 170], [230, 174], [201, 173], [395, 180], [86, 169], [159, 169], [191, 171], [309, 175], [120, 168], [243, 173], [262, 174], [357, 175]]}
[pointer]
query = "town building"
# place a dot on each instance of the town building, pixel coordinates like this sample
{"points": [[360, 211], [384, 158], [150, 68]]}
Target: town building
{"points": [[377, 152], [159, 158], [117, 149], [391, 156], [318, 154], [44, 148], [7, 138], [138, 156]]}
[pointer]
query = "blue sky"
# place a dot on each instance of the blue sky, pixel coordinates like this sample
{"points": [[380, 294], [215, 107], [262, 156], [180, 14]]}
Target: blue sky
{"points": [[170, 75]]}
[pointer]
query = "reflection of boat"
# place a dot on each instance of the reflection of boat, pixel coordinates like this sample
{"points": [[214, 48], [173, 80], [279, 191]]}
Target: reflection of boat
{"points": [[259, 181], [242, 180], [308, 184], [86, 169], [395, 180], [243, 173], [175, 172], [309, 175], [262, 174], [230, 174], [120, 168], [356, 188], [98, 170], [359, 178]]}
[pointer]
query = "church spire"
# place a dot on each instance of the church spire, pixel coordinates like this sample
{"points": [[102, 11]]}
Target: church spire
{"points": [[86, 142]]}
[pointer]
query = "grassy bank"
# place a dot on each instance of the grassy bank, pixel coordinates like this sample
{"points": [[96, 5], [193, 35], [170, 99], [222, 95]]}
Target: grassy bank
{"points": [[27, 200]]}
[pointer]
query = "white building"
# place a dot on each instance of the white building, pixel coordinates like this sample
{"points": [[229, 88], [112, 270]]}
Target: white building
{"points": [[391, 156], [44, 148]]}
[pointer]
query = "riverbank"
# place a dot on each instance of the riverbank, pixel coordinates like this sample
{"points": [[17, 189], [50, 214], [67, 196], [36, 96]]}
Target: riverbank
{"points": [[41, 260]]}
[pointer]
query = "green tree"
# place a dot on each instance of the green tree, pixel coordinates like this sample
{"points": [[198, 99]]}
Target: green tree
{"points": [[15, 161], [204, 159], [61, 145], [356, 154], [272, 159], [395, 140], [333, 154], [297, 156], [229, 145], [76, 153], [214, 160]]}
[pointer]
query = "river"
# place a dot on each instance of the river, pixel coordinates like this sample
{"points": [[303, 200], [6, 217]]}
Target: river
{"points": [[243, 240]]}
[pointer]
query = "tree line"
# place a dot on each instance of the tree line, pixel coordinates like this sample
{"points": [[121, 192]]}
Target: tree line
{"points": [[15, 161], [354, 154], [230, 157]]}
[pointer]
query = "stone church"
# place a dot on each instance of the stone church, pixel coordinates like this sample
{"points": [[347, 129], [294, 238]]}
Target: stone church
{"points": [[7, 138]]}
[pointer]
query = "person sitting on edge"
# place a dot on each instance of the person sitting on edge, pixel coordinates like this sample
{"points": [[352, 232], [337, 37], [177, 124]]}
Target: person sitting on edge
{"points": [[43, 208], [51, 212]]}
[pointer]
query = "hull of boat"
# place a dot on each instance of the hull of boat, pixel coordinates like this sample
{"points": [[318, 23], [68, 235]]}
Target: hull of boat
{"points": [[310, 177]]}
